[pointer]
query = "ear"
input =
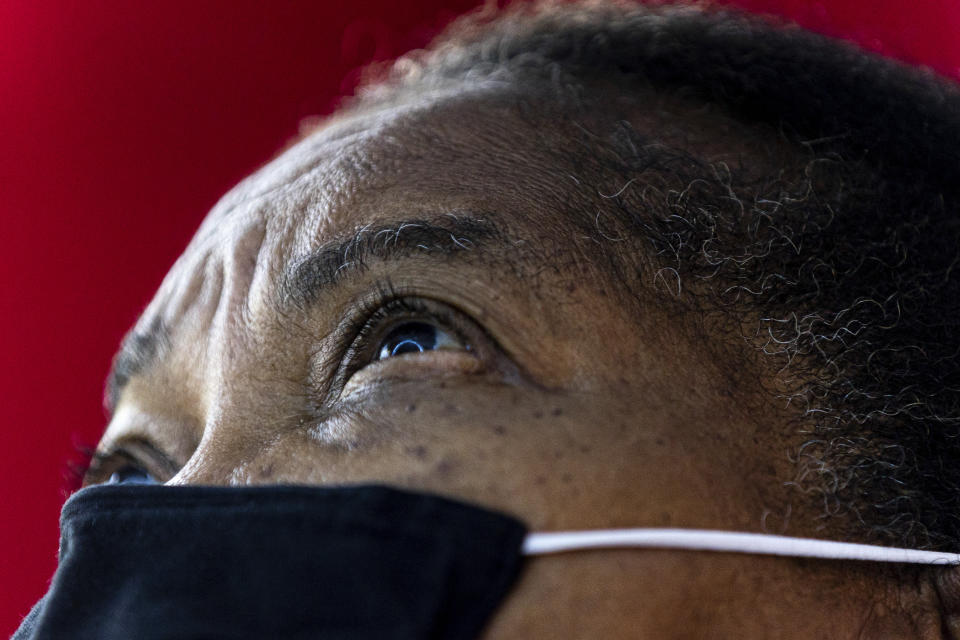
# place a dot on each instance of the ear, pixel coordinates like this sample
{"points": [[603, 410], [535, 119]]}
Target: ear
{"points": [[946, 582]]}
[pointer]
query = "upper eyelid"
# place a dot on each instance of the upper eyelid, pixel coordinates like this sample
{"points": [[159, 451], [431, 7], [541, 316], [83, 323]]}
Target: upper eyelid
{"points": [[127, 448], [101, 460]]}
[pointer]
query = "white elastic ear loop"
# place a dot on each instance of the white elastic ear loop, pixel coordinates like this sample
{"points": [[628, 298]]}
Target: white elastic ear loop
{"points": [[706, 540]]}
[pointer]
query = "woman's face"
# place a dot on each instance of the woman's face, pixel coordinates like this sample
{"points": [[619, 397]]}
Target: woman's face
{"points": [[404, 298]]}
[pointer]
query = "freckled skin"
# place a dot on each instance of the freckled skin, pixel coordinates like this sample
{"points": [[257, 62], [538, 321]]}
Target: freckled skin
{"points": [[584, 414]]}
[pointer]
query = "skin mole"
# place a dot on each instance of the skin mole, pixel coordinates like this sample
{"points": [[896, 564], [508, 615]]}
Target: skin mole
{"points": [[419, 452], [445, 467]]}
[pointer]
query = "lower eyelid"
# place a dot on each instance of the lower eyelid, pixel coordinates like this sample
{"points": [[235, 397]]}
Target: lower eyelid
{"points": [[415, 366]]}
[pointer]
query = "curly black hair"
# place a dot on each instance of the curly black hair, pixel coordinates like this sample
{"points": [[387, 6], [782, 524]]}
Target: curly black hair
{"points": [[839, 261]]}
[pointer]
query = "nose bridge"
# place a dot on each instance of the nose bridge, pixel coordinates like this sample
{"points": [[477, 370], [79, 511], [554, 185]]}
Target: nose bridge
{"points": [[232, 440], [234, 428], [248, 408]]}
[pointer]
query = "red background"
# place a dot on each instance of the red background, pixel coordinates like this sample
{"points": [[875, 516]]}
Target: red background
{"points": [[122, 123]]}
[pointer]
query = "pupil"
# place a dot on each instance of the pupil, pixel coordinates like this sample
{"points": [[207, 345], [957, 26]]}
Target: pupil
{"points": [[412, 337]]}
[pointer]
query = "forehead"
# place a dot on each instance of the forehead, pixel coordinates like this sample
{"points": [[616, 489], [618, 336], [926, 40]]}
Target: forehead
{"points": [[397, 159], [462, 150], [515, 152], [443, 156]]}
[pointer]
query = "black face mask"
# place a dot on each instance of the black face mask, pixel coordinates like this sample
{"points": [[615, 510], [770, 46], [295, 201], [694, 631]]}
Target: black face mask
{"points": [[274, 562], [352, 563]]}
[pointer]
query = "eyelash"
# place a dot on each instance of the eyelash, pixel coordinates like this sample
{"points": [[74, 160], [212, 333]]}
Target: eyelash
{"points": [[371, 327], [375, 315], [101, 463], [364, 333], [77, 470], [137, 453]]}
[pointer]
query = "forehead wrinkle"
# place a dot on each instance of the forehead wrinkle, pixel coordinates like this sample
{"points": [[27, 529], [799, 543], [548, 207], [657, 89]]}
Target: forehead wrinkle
{"points": [[336, 137], [290, 169], [239, 260]]}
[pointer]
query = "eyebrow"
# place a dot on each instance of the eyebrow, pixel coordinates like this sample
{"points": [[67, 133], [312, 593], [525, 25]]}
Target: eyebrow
{"points": [[453, 236], [139, 350]]}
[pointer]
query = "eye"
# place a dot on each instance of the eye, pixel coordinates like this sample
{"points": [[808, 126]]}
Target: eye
{"points": [[409, 338], [131, 474], [120, 465], [416, 337]]}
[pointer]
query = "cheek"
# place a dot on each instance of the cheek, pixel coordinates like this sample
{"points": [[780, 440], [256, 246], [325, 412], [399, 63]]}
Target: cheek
{"points": [[510, 449], [556, 460], [444, 434]]}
